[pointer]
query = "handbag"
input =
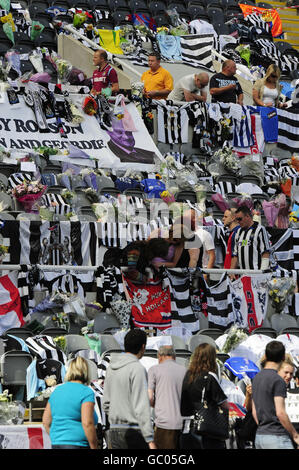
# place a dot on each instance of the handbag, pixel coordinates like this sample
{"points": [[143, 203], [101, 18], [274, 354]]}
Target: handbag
{"points": [[210, 420]]}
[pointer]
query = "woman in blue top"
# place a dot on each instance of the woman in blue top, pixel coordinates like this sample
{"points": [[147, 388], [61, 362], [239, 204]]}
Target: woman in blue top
{"points": [[69, 417]]}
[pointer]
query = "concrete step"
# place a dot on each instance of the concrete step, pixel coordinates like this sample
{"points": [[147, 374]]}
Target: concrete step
{"points": [[291, 26]]}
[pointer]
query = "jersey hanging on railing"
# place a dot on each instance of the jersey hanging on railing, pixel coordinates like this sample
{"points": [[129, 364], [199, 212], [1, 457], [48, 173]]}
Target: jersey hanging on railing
{"points": [[151, 305]]}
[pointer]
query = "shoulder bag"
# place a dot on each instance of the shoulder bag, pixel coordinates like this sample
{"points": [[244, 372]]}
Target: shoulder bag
{"points": [[210, 419]]}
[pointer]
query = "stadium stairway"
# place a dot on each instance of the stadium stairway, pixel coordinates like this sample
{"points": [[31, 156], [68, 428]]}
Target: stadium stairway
{"points": [[290, 23]]}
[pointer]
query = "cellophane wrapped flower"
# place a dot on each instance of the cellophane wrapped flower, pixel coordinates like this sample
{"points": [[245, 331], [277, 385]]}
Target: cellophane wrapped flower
{"points": [[234, 337], [137, 89], [64, 68], [167, 197], [3, 248], [60, 341], [28, 194], [280, 290], [228, 159], [67, 195]]}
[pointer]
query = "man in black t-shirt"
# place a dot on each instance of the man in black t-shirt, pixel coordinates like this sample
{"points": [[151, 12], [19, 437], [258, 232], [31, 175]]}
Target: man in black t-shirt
{"points": [[224, 86]]}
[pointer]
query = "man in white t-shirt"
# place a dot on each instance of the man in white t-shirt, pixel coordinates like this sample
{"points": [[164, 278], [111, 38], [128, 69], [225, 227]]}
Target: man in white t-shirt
{"points": [[192, 87], [192, 220]]}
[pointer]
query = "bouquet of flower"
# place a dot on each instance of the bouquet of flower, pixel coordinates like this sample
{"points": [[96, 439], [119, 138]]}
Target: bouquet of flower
{"points": [[280, 290], [67, 195], [294, 162], [105, 211], [235, 336], [137, 89], [91, 195], [167, 197], [228, 159], [28, 193], [61, 320], [64, 68], [127, 47], [3, 248], [163, 30], [60, 341], [126, 29]]}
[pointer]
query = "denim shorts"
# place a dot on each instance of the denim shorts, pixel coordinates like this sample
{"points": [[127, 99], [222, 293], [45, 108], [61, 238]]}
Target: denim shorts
{"points": [[272, 441]]}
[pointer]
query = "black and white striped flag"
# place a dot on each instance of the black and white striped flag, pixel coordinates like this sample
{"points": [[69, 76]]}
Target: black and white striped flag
{"points": [[288, 129], [220, 304], [197, 50], [179, 283]]}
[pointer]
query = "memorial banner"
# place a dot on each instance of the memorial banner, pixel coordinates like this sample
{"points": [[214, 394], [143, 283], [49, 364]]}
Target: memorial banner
{"points": [[116, 147]]}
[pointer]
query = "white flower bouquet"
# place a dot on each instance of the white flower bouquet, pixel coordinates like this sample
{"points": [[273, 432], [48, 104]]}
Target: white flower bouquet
{"points": [[235, 336], [137, 89], [228, 159], [280, 290]]}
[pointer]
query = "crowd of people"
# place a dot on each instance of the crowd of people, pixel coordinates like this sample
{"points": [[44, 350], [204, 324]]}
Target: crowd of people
{"points": [[224, 87], [164, 407]]}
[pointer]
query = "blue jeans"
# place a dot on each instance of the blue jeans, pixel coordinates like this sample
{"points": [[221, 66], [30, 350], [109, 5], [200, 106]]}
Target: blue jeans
{"points": [[272, 441]]}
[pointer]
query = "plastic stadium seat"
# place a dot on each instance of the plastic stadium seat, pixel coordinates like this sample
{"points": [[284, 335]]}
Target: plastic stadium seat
{"points": [[211, 332], [263, 330], [156, 7], [290, 330], [280, 321], [180, 7], [196, 11], [98, 4], [138, 5], [198, 339], [112, 191], [184, 196], [104, 320], [250, 179], [222, 357], [75, 343], [6, 216], [108, 342], [23, 333], [13, 366], [121, 17], [54, 331], [228, 178], [116, 5], [221, 28]]}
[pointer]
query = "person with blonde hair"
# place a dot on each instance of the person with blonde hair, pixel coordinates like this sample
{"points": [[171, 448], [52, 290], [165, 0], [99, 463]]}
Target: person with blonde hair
{"points": [[69, 417], [266, 91], [286, 369], [201, 379]]}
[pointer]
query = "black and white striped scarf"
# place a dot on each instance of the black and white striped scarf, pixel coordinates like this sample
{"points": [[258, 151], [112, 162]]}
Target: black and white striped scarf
{"points": [[18, 178], [57, 201], [108, 283]]}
